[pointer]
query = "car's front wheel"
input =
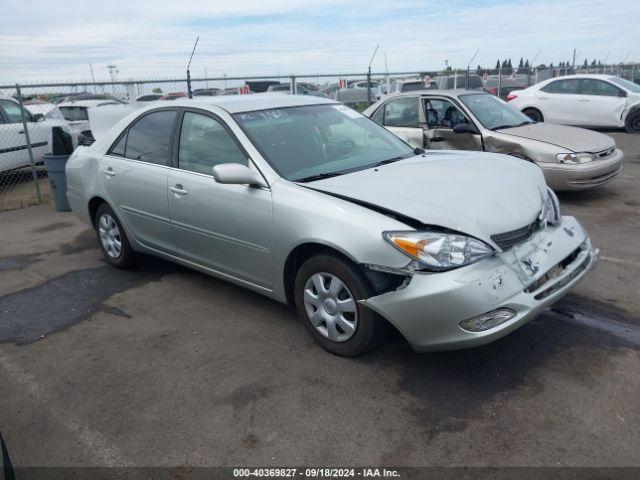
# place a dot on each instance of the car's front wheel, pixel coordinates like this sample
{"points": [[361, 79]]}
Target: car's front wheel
{"points": [[113, 240], [327, 290]]}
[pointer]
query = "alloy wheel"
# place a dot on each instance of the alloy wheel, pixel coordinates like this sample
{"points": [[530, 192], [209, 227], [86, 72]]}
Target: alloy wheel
{"points": [[110, 236]]}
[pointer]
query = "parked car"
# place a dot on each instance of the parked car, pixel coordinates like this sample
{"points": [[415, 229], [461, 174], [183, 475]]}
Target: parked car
{"points": [[14, 150], [173, 96], [407, 85], [48, 110], [507, 85], [76, 113], [150, 97], [260, 86], [206, 92], [310, 203], [300, 90], [458, 81], [570, 158], [585, 100]]}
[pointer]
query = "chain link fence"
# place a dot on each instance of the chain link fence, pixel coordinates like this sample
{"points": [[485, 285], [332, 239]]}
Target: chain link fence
{"points": [[28, 112]]}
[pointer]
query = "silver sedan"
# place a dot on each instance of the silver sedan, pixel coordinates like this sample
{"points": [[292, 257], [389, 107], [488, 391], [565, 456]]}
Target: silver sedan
{"points": [[571, 158], [312, 204]]}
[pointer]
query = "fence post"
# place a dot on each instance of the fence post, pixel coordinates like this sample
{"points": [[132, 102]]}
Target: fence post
{"points": [[292, 85], [28, 140]]}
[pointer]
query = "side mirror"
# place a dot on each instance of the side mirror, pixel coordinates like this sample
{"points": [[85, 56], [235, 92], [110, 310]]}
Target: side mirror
{"points": [[466, 128], [38, 117], [237, 174]]}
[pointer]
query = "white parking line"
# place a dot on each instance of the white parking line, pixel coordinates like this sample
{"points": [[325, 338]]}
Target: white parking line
{"points": [[96, 444], [620, 261]]}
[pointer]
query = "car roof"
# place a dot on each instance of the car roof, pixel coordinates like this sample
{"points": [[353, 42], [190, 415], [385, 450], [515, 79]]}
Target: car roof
{"points": [[247, 103], [434, 92], [87, 103], [595, 76]]}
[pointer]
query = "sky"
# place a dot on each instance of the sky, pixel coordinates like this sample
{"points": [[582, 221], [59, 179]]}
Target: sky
{"points": [[46, 40]]}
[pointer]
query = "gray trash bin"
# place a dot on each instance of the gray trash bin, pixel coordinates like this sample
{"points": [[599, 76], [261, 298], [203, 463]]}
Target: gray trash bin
{"points": [[55, 165]]}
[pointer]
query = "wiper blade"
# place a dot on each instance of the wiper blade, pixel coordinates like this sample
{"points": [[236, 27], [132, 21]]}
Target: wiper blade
{"points": [[390, 160], [502, 127], [319, 176]]}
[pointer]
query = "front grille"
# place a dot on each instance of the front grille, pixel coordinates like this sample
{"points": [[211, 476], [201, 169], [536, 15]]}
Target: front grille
{"points": [[606, 153], [509, 239]]}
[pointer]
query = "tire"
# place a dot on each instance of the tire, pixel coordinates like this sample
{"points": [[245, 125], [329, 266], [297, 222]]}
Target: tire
{"points": [[326, 314], [534, 114], [632, 122], [112, 238]]}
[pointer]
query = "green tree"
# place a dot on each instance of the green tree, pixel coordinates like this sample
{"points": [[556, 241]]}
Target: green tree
{"points": [[521, 64]]}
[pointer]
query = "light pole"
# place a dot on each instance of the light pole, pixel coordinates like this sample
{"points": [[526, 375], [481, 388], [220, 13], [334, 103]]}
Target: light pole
{"points": [[369, 76]]}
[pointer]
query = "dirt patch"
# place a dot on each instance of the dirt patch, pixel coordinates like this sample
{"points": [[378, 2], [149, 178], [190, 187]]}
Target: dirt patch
{"points": [[23, 193]]}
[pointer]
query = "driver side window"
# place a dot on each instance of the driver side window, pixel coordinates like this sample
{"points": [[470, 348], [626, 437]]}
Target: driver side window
{"points": [[205, 143], [442, 113], [402, 112]]}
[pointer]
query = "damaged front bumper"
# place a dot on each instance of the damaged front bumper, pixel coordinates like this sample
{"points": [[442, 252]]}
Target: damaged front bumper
{"points": [[525, 279]]}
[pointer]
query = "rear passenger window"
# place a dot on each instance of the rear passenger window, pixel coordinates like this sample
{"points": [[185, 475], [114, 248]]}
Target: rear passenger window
{"points": [[148, 139], [205, 143], [562, 86]]}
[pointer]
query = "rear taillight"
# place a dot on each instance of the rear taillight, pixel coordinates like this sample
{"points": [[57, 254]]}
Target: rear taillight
{"points": [[511, 96]]}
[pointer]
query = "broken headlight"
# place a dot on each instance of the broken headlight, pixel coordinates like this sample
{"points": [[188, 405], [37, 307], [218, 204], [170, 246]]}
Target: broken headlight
{"points": [[439, 251], [575, 158], [551, 208]]}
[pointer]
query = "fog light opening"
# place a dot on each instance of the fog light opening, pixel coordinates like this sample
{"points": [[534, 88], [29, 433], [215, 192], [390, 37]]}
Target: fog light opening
{"points": [[488, 320]]}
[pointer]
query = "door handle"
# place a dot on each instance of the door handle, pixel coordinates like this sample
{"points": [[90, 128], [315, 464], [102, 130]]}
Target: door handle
{"points": [[109, 172], [178, 190], [21, 132]]}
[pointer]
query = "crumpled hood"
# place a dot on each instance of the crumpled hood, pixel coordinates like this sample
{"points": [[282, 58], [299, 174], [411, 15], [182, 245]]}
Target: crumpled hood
{"points": [[569, 138], [476, 193]]}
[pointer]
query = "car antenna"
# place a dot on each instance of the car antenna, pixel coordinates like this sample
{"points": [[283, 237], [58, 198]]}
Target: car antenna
{"points": [[189, 94]]}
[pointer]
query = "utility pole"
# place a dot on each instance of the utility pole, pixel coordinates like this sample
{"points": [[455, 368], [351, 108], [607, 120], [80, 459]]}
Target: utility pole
{"points": [[386, 69], [535, 69], [93, 78], [369, 75], [573, 63], [466, 78]]}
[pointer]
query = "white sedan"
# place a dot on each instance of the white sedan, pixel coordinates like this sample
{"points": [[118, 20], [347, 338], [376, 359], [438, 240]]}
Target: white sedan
{"points": [[583, 100]]}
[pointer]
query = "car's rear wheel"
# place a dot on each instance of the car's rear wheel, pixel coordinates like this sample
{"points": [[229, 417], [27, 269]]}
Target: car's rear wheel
{"points": [[534, 114], [327, 289], [112, 238], [632, 122]]}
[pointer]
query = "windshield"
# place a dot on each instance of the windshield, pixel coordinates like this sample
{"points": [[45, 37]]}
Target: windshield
{"points": [[320, 140], [626, 84], [493, 113]]}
